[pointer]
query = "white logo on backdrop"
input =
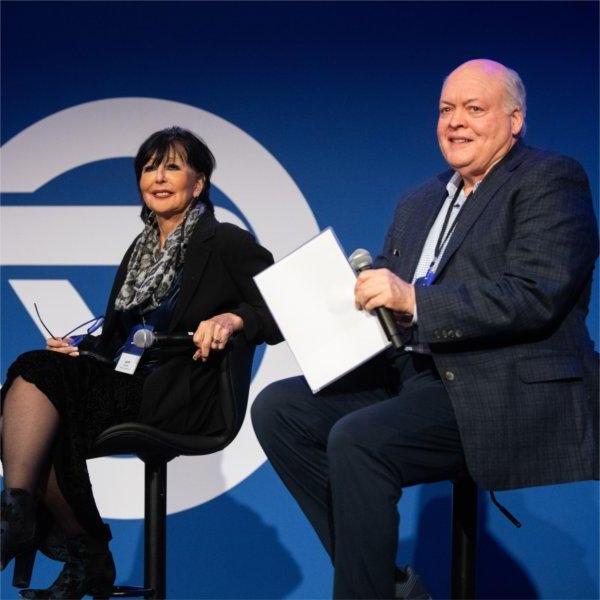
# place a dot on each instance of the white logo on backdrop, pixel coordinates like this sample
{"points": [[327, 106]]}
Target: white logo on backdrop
{"points": [[55, 235]]}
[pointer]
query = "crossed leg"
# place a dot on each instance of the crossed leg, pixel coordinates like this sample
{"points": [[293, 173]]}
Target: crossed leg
{"points": [[30, 424]]}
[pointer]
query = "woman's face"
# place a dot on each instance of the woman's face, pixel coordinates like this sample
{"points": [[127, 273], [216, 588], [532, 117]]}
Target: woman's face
{"points": [[168, 188]]}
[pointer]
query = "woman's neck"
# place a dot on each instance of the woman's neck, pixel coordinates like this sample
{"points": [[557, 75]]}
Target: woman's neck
{"points": [[167, 225]]}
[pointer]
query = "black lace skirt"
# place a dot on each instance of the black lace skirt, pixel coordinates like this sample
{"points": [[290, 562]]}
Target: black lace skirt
{"points": [[90, 396]]}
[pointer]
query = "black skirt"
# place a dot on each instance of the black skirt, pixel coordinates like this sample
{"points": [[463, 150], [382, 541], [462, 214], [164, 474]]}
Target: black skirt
{"points": [[90, 396]]}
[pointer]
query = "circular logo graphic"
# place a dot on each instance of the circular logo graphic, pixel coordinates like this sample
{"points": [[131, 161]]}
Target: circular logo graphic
{"points": [[247, 174]]}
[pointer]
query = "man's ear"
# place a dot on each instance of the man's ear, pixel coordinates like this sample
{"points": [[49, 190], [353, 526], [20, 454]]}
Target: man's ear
{"points": [[516, 119]]}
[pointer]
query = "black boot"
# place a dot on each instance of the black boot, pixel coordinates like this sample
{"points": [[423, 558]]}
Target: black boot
{"points": [[52, 540], [409, 585], [89, 570], [18, 530]]}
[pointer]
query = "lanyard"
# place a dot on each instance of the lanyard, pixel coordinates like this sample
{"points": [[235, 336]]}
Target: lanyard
{"points": [[444, 236]]}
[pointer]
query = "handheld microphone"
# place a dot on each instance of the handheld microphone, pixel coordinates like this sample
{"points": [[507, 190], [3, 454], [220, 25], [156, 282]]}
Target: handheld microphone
{"points": [[144, 338], [361, 260]]}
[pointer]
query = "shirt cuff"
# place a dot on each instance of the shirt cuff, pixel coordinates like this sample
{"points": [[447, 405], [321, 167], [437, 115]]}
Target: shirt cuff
{"points": [[414, 319]]}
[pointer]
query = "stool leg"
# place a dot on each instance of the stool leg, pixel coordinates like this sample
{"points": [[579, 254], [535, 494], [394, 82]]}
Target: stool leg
{"points": [[464, 538], [155, 522]]}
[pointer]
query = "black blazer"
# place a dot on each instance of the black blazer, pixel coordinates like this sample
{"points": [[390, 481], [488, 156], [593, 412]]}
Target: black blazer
{"points": [[505, 319], [221, 259]]}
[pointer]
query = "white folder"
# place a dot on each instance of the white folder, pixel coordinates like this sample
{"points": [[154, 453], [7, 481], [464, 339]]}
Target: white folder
{"points": [[310, 293]]}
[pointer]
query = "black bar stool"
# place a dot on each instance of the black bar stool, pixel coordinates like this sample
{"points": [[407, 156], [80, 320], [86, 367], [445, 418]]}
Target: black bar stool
{"points": [[464, 538], [156, 448]]}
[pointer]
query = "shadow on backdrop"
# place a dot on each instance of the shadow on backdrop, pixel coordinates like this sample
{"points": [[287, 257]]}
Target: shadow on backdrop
{"points": [[499, 575], [239, 556]]}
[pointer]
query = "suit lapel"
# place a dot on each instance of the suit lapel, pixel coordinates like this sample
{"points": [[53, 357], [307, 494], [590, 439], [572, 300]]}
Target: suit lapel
{"points": [[197, 254], [480, 199]]}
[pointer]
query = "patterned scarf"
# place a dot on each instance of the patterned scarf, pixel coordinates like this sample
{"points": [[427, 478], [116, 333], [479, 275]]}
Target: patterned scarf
{"points": [[152, 270]]}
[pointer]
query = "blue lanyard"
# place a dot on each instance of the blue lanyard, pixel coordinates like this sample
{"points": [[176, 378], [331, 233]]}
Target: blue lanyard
{"points": [[443, 238]]}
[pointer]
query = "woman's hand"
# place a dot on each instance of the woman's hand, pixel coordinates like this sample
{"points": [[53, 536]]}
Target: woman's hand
{"points": [[214, 333], [62, 345]]}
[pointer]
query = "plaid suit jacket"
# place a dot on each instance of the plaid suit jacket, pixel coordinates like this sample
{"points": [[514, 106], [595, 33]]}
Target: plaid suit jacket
{"points": [[505, 319]]}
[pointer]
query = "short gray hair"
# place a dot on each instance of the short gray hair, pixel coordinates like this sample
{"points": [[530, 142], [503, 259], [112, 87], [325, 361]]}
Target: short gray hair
{"points": [[516, 96]]}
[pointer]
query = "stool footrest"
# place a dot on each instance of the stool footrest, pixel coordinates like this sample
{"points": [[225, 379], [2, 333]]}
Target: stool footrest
{"points": [[132, 591]]}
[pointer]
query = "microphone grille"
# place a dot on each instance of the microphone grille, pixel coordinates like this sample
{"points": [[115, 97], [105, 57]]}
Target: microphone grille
{"points": [[143, 338], [360, 259]]}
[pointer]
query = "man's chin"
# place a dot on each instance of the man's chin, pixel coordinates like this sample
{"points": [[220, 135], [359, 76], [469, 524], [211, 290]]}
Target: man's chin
{"points": [[459, 158], [457, 164]]}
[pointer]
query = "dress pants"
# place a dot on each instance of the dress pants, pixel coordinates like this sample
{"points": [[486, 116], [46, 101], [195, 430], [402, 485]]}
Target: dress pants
{"points": [[346, 452]]}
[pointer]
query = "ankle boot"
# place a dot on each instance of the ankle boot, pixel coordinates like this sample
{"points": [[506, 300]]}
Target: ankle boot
{"points": [[18, 531], [89, 570], [52, 541]]}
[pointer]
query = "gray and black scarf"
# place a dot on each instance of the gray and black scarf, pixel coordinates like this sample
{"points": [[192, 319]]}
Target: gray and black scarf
{"points": [[152, 270]]}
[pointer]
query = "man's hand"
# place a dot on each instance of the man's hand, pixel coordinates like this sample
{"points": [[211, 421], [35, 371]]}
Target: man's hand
{"points": [[214, 333], [380, 287], [62, 345]]}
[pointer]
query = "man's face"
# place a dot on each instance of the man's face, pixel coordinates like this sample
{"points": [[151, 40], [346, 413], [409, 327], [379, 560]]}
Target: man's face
{"points": [[475, 129]]}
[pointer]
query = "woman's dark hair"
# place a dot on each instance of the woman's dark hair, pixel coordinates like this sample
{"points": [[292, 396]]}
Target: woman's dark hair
{"points": [[195, 152]]}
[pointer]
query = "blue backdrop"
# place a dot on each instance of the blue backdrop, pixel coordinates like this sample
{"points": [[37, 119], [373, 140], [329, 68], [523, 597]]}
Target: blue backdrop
{"points": [[344, 96]]}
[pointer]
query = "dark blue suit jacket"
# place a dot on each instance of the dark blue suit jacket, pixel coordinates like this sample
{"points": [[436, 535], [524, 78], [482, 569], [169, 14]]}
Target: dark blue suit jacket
{"points": [[505, 319]]}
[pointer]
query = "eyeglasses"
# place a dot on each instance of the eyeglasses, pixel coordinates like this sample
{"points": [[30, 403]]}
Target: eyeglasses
{"points": [[94, 325]]}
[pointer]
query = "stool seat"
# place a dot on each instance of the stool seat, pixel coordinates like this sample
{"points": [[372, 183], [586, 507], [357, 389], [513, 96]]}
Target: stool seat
{"points": [[136, 438]]}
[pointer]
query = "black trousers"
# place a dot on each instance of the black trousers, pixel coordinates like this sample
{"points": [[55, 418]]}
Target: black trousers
{"points": [[346, 453]]}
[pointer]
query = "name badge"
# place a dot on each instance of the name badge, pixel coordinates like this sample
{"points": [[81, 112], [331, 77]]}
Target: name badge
{"points": [[428, 279], [131, 355]]}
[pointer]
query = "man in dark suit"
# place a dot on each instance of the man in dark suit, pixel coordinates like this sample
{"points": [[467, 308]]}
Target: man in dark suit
{"points": [[489, 267]]}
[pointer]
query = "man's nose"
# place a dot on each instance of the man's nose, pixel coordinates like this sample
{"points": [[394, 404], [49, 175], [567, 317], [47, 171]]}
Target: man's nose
{"points": [[457, 118]]}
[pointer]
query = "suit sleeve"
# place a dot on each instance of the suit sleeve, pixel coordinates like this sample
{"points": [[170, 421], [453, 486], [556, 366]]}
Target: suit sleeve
{"points": [[244, 259], [549, 259], [382, 261]]}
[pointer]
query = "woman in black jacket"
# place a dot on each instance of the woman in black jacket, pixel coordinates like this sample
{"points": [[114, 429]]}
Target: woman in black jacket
{"points": [[184, 272]]}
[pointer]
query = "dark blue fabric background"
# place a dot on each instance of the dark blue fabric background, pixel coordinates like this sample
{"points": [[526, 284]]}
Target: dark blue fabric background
{"points": [[344, 95]]}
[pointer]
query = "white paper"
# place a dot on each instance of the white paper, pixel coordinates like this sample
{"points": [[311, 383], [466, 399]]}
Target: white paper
{"points": [[310, 293]]}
